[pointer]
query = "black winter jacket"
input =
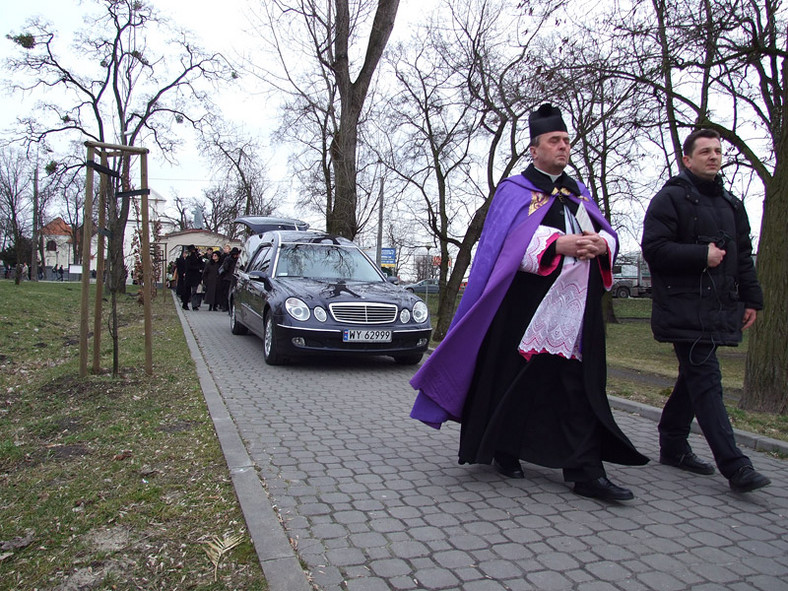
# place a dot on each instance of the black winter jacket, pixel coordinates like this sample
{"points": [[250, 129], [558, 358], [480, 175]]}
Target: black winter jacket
{"points": [[693, 302]]}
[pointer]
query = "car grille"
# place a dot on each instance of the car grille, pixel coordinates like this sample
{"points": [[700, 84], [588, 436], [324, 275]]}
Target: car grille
{"points": [[353, 313]]}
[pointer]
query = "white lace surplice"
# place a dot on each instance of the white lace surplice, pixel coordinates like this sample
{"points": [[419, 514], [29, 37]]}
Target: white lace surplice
{"points": [[557, 325]]}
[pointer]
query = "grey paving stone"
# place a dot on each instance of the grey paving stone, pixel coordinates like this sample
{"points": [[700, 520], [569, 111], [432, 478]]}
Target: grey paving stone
{"points": [[367, 584], [408, 549], [499, 569], [436, 578], [453, 559], [548, 580], [390, 567], [346, 557], [661, 581], [484, 585], [596, 586], [608, 571], [402, 583], [373, 500]]}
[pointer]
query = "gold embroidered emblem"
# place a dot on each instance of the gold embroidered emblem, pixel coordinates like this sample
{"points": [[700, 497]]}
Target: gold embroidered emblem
{"points": [[537, 200]]}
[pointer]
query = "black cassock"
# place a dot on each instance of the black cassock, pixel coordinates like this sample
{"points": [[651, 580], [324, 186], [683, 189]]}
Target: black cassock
{"points": [[550, 410]]}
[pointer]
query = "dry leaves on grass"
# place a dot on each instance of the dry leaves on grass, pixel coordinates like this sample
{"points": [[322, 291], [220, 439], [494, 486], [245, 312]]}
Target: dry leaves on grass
{"points": [[217, 548]]}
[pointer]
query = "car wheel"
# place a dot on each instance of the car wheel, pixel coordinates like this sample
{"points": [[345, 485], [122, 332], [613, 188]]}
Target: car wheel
{"points": [[411, 359], [622, 292], [270, 352], [410, 289], [235, 326]]}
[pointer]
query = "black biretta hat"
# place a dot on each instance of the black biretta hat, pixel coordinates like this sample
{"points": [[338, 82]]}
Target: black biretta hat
{"points": [[545, 119]]}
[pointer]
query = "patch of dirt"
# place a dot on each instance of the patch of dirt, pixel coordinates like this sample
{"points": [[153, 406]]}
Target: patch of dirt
{"points": [[110, 540], [92, 577], [64, 452]]}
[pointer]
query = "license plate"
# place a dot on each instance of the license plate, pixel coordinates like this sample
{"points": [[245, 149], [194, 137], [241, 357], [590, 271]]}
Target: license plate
{"points": [[366, 336]]}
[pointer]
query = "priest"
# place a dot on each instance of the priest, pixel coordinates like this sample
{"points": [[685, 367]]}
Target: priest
{"points": [[522, 367]]}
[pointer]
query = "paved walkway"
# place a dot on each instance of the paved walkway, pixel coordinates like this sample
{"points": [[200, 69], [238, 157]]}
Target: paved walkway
{"points": [[333, 476]]}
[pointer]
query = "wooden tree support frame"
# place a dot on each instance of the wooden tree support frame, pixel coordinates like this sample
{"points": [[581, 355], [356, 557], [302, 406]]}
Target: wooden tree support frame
{"points": [[107, 151]]}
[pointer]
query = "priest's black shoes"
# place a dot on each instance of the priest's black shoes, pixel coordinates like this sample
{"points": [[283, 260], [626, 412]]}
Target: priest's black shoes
{"points": [[746, 479], [688, 461], [603, 489], [508, 466]]}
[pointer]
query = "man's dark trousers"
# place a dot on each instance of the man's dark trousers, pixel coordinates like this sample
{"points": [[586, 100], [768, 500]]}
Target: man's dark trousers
{"points": [[698, 393]]}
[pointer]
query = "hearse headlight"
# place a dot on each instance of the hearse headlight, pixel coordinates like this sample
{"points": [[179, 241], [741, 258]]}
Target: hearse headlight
{"points": [[297, 309], [420, 312]]}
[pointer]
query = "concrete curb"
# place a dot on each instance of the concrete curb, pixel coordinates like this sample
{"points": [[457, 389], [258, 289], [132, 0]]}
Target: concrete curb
{"points": [[743, 438], [281, 567]]}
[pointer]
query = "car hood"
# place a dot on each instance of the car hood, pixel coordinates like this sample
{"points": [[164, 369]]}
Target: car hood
{"points": [[315, 291]]}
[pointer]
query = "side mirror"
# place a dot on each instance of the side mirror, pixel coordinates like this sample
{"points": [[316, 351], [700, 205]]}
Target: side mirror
{"points": [[263, 277]]}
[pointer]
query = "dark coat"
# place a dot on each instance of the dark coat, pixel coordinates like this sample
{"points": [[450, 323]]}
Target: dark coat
{"points": [[228, 268], [194, 267], [691, 301], [180, 272], [210, 278]]}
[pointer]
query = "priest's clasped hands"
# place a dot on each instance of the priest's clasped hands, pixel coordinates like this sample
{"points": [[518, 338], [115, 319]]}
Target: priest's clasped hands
{"points": [[584, 247]]}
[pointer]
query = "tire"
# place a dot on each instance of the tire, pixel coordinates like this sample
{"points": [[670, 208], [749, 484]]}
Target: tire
{"points": [[622, 292], [235, 326], [410, 359], [270, 353]]}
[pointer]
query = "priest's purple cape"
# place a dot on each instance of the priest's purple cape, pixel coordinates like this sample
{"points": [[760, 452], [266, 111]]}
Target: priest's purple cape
{"points": [[444, 379]]}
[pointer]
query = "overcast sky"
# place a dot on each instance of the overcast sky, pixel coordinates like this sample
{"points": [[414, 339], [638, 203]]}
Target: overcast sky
{"points": [[217, 26]]}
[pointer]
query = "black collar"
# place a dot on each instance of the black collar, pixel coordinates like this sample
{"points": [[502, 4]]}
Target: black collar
{"points": [[705, 187], [546, 185]]}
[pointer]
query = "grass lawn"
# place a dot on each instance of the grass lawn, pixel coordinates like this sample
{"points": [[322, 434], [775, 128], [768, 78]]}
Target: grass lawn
{"points": [[109, 482], [630, 346]]}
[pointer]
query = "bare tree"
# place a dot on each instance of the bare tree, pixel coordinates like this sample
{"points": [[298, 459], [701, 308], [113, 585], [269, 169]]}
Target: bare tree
{"points": [[71, 189], [431, 123], [697, 57], [16, 205], [329, 98], [123, 90], [481, 48], [243, 188]]}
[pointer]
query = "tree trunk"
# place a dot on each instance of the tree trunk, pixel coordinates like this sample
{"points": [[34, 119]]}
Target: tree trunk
{"points": [[766, 371], [341, 219]]}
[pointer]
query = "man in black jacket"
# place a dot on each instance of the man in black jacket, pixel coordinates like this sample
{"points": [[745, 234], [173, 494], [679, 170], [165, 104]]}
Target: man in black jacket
{"points": [[696, 240]]}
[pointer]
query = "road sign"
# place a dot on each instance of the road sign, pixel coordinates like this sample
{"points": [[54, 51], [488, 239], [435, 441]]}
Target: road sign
{"points": [[388, 257]]}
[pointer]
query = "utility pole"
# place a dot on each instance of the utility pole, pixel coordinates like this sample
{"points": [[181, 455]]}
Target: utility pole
{"points": [[378, 257]]}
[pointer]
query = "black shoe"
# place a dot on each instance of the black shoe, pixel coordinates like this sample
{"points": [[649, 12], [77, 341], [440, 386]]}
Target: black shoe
{"points": [[185, 307], [689, 462], [746, 479], [509, 467], [603, 489]]}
